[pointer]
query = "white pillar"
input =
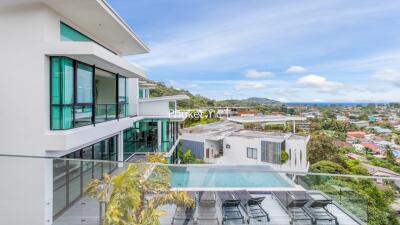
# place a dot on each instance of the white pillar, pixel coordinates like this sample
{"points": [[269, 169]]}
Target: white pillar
{"points": [[294, 126], [159, 131], [132, 86], [121, 148]]}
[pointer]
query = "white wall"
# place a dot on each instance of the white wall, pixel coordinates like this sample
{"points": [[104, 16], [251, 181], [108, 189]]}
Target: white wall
{"points": [[237, 153], [154, 108], [26, 190], [133, 95]]}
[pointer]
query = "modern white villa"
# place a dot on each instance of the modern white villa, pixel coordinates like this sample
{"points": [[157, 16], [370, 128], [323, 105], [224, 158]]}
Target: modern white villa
{"points": [[228, 143], [73, 109], [69, 92]]}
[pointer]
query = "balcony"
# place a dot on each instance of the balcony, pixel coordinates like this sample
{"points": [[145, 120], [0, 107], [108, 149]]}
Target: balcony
{"points": [[161, 107], [287, 197]]}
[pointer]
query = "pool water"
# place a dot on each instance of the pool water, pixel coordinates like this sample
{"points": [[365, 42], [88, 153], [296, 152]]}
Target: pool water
{"points": [[227, 177]]}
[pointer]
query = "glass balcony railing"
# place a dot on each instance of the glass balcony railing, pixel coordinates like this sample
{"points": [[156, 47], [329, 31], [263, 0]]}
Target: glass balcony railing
{"points": [[77, 191], [106, 112]]}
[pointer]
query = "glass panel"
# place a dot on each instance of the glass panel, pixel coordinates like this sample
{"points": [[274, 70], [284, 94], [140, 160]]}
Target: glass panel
{"points": [[74, 169], [122, 89], [84, 83], [61, 117], [59, 185], [83, 115], [98, 170], [62, 80], [67, 33], [122, 110], [140, 93], [87, 167]]}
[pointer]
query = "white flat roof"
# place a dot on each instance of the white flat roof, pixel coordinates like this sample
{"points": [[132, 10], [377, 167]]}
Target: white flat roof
{"points": [[165, 98], [265, 119], [92, 53]]}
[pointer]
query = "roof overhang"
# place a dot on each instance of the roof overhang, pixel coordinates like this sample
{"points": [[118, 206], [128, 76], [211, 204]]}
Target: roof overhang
{"points": [[94, 54], [98, 19], [165, 98]]}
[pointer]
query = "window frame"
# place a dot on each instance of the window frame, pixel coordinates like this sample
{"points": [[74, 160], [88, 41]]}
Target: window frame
{"points": [[253, 153], [75, 103]]}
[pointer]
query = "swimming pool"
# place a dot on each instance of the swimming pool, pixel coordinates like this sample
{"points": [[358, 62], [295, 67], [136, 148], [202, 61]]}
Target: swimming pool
{"points": [[227, 177]]}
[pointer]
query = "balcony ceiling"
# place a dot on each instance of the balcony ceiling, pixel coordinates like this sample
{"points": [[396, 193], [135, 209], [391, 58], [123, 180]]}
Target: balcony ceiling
{"points": [[98, 19]]}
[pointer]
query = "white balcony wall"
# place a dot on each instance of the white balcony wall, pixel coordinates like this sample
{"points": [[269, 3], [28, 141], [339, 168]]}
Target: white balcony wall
{"points": [[154, 108], [133, 96]]}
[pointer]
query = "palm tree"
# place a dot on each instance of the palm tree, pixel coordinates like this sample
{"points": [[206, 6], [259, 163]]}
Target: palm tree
{"points": [[389, 154], [140, 191], [100, 190]]}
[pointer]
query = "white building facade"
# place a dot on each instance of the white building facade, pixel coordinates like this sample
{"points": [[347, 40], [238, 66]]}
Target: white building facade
{"points": [[68, 92]]}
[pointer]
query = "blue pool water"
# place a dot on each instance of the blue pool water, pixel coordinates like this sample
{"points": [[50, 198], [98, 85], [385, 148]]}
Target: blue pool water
{"points": [[227, 177]]}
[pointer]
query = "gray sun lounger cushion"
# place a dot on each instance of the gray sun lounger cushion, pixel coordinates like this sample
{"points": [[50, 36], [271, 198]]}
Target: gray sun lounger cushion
{"points": [[316, 207], [295, 207], [251, 205], [230, 207], [207, 199]]}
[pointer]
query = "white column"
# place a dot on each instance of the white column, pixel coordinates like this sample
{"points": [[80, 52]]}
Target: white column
{"points": [[159, 135], [132, 86], [120, 148], [294, 126]]}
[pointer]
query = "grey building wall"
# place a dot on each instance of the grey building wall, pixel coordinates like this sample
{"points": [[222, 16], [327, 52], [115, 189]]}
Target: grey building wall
{"points": [[196, 147]]}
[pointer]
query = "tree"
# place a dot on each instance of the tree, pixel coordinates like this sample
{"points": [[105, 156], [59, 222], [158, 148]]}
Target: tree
{"points": [[321, 147], [187, 157], [389, 154], [327, 167], [139, 192]]}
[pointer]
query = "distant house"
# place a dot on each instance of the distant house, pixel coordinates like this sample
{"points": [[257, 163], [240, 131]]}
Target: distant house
{"points": [[356, 134], [358, 147], [379, 171], [381, 130], [341, 144], [374, 147], [361, 123]]}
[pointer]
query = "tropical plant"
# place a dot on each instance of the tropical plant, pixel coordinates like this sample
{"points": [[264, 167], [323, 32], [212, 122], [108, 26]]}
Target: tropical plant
{"points": [[186, 157], [389, 154], [100, 190], [139, 192], [284, 157]]}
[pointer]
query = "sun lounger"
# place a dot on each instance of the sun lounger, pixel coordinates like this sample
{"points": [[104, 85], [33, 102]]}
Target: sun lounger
{"points": [[317, 206], [252, 206], [206, 209], [230, 207], [294, 207]]}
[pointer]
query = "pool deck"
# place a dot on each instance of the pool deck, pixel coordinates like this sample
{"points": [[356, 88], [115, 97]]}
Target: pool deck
{"points": [[86, 212]]}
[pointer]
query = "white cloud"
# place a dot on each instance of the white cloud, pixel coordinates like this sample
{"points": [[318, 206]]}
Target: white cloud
{"points": [[243, 85], [296, 69], [320, 83], [258, 74], [388, 75]]}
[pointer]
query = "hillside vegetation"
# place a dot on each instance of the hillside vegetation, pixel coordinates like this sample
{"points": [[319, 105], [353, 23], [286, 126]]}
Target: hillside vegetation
{"points": [[198, 101]]}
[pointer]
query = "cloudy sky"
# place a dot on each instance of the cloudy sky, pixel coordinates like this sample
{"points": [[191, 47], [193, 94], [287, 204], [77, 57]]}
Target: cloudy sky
{"points": [[292, 51]]}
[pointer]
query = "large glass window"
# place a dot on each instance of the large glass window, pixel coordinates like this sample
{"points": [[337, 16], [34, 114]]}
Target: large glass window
{"points": [[68, 33], [62, 92], [271, 152], [77, 100], [70, 177], [84, 76]]}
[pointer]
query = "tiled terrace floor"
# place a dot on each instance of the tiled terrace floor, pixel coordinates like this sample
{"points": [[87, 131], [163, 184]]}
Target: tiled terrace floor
{"points": [[86, 212]]}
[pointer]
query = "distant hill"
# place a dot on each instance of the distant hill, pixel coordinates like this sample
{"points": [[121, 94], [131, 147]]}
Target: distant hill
{"points": [[198, 101]]}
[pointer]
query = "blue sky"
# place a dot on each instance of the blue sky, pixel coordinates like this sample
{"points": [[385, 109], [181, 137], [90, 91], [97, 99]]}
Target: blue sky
{"points": [[292, 51]]}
